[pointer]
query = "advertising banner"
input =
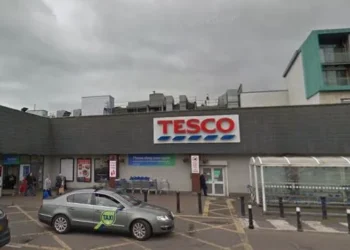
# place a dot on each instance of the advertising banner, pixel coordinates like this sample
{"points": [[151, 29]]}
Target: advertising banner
{"points": [[195, 164], [151, 160], [113, 169], [84, 170]]}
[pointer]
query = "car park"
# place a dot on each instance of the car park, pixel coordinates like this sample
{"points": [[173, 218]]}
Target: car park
{"points": [[105, 210], [5, 235]]}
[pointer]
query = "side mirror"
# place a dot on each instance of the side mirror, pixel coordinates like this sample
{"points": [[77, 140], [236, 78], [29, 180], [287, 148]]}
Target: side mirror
{"points": [[120, 207]]}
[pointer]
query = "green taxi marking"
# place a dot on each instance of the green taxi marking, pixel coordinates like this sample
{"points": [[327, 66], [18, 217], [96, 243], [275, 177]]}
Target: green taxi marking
{"points": [[107, 219]]}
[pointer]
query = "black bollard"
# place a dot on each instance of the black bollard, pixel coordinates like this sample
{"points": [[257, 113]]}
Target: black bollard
{"points": [[178, 202], [242, 206], [145, 193], [324, 208], [200, 210], [280, 202], [348, 216], [299, 225], [250, 215]]}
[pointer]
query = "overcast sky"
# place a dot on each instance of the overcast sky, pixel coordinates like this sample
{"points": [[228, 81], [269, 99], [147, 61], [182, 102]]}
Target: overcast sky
{"points": [[53, 52]]}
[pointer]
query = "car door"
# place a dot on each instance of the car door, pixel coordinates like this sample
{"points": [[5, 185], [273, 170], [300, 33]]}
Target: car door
{"points": [[109, 213], [80, 209]]}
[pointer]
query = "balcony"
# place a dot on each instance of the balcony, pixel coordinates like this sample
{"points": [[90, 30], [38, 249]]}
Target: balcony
{"points": [[335, 58], [337, 81]]}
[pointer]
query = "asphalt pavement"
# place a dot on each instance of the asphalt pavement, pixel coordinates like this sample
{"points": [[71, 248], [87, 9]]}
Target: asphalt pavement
{"points": [[218, 227]]}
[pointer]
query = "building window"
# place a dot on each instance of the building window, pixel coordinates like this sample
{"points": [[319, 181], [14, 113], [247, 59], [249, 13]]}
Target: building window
{"points": [[101, 170], [345, 100]]}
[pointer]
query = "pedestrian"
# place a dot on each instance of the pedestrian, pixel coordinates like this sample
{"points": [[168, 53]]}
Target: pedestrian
{"points": [[58, 183], [30, 185], [47, 186], [203, 183]]}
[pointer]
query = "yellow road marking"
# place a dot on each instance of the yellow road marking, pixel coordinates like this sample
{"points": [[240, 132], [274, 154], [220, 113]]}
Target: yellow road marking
{"points": [[218, 209], [17, 245], [204, 241], [218, 205], [200, 217], [242, 235], [225, 216], [30, 234], [206, 207], [56, 238], [112, 246], [137, 244], [213, 227], [19, 221], [11, 213], [209, 225]]}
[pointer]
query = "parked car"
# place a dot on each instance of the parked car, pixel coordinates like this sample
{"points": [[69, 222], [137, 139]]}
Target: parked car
{"points": [[5, 235], [101, 209]]}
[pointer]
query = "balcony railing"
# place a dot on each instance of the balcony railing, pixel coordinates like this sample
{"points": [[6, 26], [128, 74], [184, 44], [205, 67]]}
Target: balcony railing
{"points": [[338, 81], [335, 57]]}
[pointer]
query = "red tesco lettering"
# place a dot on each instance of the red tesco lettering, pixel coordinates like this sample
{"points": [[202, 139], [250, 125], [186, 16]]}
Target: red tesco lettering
{"points": [[195, 126]]}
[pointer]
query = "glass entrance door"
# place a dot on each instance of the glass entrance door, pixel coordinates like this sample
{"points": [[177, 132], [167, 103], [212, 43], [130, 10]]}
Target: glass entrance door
{"points": [[215, 180]]}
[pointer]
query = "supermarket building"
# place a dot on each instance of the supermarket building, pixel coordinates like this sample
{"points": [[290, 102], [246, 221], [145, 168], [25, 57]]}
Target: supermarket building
{"points": [[160, 144]]}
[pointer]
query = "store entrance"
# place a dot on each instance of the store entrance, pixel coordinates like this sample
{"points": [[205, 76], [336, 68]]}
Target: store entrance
{"points": [[10, 177], [215, 179]]}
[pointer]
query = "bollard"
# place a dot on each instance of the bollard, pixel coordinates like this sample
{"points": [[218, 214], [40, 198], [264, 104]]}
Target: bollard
{"points": [[145, 193], [250, 215], [242, 206], [178, 202], [299, 225], [280, 202], [348, 216], [200, 210], [324, 208]]}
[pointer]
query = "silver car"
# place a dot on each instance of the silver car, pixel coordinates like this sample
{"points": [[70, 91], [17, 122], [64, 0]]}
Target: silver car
{"points": [[105, 210]]}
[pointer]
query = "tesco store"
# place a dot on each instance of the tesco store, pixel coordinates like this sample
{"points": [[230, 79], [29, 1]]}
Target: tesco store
{"points": [[174, 146]]}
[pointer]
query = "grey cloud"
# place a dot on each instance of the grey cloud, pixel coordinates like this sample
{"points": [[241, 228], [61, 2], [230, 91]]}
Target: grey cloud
{"points": [[132, 47]]}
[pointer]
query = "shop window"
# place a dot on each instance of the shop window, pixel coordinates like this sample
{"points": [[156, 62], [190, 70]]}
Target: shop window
{"points": [[101, 170], [67, 169]]}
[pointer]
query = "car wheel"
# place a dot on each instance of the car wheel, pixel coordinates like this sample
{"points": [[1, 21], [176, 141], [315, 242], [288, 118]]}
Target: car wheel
{"points": [[141, 230], [61, 224]]}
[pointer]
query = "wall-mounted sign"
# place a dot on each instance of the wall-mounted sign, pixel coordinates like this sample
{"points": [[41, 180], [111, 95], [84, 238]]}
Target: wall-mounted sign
{"points": [[151, 160], [195, 164], [113, 168], [10, 160], [197, 129]]}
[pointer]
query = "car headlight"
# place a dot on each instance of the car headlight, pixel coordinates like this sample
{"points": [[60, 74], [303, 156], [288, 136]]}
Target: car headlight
{"points": [[163, 218]]}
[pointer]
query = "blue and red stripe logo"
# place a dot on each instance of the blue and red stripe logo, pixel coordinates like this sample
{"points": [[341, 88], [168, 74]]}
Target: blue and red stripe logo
{"points": [[166, 138]]}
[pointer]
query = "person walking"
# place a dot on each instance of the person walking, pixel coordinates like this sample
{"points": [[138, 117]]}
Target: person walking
{"points": [[58, 184], [47, 186], [30, 187], [203, 183]]}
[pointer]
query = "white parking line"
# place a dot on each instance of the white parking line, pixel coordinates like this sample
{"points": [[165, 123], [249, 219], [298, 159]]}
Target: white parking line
{"points": [[245, 223], [317, 225], [282, 225], [13, 246], [343, 224]]}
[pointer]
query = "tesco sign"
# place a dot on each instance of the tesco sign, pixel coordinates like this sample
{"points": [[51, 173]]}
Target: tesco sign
{"points": [[197, 129]]}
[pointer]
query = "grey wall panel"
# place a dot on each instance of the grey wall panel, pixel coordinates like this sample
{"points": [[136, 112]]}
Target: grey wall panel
{"points": [[302, 130], [22, 133]]}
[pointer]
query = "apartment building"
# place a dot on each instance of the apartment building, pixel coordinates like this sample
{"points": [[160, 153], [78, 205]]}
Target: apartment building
{"points": [[319, 71]]}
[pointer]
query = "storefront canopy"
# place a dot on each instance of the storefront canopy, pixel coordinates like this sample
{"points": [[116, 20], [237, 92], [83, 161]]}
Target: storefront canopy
{"points": [[293, 161]]}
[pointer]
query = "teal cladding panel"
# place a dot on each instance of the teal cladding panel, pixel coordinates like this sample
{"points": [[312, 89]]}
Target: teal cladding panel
{"points": [[313, 78]]}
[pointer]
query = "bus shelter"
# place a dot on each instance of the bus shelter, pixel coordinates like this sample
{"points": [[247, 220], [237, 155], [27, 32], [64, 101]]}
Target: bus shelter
{"points": [[300, 180]]}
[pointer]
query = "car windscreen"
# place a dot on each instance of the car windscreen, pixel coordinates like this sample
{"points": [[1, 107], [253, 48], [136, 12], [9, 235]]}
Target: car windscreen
{"points": [[130, 199]]}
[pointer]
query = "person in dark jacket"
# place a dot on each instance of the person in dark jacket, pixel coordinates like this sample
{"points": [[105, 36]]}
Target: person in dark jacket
{"points": [[203, 183], [30, 185], [59, 180]]}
